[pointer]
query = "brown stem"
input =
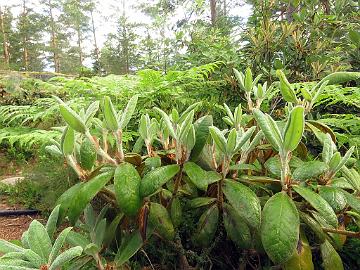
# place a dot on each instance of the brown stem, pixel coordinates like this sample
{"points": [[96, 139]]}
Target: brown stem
{"points": [[177, 184], [347, 233]]}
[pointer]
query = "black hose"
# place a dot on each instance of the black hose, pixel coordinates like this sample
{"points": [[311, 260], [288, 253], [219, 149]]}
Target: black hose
{"points": [[6, 213]]}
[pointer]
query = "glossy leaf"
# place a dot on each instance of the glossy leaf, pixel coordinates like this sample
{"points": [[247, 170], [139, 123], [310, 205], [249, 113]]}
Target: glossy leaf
{"points": [[160, 219], [280, 228], [302, 258], [154, 180], [309, 170], [236, 228], [244, 201], [199, 177], [331, 259], [127, 188], [200, 201], [207, 226], [314, 226], [318, 203], [334, 196], [86, 193], [176, 212]]}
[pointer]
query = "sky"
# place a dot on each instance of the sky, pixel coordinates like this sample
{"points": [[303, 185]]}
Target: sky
{"points": [[109, 10]]}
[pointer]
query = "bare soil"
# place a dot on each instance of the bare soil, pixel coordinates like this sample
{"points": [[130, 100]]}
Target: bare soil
{"points": [[12, 227]]}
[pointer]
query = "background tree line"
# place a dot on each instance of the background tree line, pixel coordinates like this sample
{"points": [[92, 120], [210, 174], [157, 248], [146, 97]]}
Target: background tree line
{"points": [[307, 37]]}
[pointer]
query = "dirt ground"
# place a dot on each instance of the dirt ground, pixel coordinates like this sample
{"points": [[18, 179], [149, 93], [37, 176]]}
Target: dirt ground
{"points": [[12, 227]]}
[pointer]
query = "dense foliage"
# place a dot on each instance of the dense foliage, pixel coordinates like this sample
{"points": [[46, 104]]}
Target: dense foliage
{"points": [[259, 190]]}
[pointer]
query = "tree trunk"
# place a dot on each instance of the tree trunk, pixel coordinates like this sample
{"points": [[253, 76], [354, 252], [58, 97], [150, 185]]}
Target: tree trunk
{"points": [[5, 40], [94, 35], [25, 40], [53, 40], [213, 12], [79, 45]]}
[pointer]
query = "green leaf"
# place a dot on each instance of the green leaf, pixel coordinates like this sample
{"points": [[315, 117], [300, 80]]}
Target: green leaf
{"points": [[271, 131], [302, 258], [345, 158], [111, 229], [199, 177], [128, 248], [200, 201], [65, 200], [244, 138], [160, 219], [77, 239], [352, 200], [314, 226], [334, 161], [334, 196], [16, 267], [87, 155], [352, 176], [66, 256], [167, 122], [91, 111], [109, 112], [207, 226], [68, 141], [341, 77], [39, 240], [294, 129], [280, 228], [318, 203], [86, 193], [273, 165], [34, 258], [52, 221], [218, 138], [127, 188], [176, 212], [128, 111], [286, 89], [59, 242], [231, 142], [72, 118], [244, 201], [153, 180], [236, 228], [331, 259], [309, 170], [240, 78], [248, 80], [6, 247]]}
